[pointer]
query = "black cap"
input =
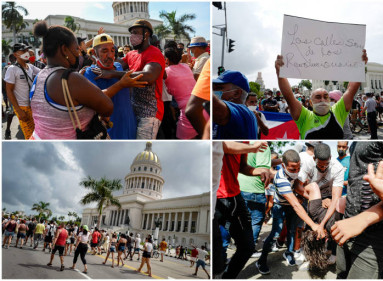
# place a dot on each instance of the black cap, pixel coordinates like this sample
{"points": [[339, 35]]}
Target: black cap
{"points": [[312, 143], [20, 47], [79, 40]]}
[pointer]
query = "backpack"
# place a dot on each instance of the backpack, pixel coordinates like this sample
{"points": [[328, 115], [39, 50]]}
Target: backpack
{"points": [[52, 230]]}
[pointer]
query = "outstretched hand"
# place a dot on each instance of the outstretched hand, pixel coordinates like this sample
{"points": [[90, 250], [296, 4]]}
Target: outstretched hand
{"points": [[345, 229], [101, 73], [279, 63], [375, 180], [259, 146], [364, 56], [128, 82]]}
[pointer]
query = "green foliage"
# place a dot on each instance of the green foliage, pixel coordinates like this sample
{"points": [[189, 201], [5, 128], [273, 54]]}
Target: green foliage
{"points": [[101, 192], [12, 17], [42, 209], [278, 146], [255, 88], [175, 26], [345, 84], [307, 84], [70, 23], [326, 82]]}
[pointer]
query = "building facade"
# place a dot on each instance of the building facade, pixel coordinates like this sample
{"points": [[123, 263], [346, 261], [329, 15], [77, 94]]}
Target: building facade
{"points": [[125, 14], [181, 221]]}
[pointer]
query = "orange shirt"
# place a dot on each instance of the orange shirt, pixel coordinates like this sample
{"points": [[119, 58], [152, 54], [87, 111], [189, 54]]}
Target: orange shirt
{"points": [[202, 88]]}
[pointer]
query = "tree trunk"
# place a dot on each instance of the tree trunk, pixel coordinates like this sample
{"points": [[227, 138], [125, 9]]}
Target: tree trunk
{"points": [[14, 35], [99, 221]]}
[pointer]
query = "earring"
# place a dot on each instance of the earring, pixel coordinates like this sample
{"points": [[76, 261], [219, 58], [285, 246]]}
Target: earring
{"points": [[67, 57]]}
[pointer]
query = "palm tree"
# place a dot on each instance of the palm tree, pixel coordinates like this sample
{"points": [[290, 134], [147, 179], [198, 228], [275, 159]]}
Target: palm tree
{"points": [[176, 26], [6, 47], [12, 16], [71, 24], [61, 218], [42, 209], [101, 192]]}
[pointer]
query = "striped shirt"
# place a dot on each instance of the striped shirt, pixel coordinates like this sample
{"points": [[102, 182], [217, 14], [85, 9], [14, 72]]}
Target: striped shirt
{"points": [[283, 185]]}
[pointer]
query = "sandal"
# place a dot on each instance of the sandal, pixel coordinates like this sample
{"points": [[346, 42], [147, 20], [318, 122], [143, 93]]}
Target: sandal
{"points": [[49, 264]]}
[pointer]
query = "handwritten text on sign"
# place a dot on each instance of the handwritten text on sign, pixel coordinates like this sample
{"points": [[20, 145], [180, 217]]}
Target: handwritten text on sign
{"points": [[320, 50]]}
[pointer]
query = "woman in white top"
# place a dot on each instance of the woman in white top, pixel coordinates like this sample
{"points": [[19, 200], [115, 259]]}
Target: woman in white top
{"points": [[148, 248], [82, 247]]}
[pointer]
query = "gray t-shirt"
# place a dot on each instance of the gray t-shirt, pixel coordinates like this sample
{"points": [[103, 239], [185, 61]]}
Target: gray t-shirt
{"points": [[370, 105]]}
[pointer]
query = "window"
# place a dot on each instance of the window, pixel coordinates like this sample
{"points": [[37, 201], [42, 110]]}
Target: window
{"points": [[372, 84], [134, 169], [151, 169], [376, 84], [139, 168], [380, 84], [193, 228], [145, 168], [143, 185]]}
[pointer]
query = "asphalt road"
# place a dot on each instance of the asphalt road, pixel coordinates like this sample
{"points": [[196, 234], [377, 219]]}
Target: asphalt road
{"points": [[27, 263], [278, 266]]}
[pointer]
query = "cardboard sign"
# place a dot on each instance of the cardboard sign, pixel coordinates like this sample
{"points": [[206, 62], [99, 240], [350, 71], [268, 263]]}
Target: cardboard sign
{"points": [[313, 49]]}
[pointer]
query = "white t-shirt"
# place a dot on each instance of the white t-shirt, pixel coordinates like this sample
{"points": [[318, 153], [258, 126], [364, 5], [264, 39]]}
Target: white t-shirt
{"points": [[84, 237], [138, 241], [16, 76], [202, 254], [307, 163], [333, 177], [217, 166], [200, 62], [282, 106], [149, 246]]}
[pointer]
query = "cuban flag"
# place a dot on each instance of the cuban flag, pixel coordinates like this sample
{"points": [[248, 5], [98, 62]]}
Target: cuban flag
{"points": [[281, 126]]}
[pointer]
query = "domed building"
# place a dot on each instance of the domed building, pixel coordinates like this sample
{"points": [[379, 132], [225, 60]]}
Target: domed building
{"points": [[181, 220]]}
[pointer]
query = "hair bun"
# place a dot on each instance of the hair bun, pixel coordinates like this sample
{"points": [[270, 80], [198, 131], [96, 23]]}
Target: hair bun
{"points": [[40, 29]]}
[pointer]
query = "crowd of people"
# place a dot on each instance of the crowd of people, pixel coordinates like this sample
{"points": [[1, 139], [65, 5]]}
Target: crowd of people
{"points": [[69, 239], [237, 112], [325, 209], [88, 89]]}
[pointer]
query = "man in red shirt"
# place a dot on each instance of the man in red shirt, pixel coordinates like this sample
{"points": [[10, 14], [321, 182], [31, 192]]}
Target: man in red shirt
{"points": [[59, 244], [96, 236], [231, 210], [149, 61]]}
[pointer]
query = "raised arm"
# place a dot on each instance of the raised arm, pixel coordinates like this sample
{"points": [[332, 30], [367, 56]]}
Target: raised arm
{"points": [[221, 113], [233, 147], [353, 87], [294, 105]]}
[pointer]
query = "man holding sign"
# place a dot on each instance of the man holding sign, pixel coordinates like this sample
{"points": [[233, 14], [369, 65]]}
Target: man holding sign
{"points": [[325, 121], [314, 49]]}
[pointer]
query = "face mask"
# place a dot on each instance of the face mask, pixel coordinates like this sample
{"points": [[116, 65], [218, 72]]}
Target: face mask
{"points": [[32, 59], [102, 66], [3, 64], [25, 56], [332, 103], [294, 176], [252, 108], [321, 108], [83, 53], [341, 152], [218, 94], [136, 40], [76, 63]]}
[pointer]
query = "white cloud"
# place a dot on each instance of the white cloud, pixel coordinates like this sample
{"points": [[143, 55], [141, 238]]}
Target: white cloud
{"points": [[98, 5]]}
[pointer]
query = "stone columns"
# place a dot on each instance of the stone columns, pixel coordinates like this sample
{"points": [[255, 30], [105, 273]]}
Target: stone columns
{"points": [[169, 222], [175, 222], [182, 222], [190, 221]]}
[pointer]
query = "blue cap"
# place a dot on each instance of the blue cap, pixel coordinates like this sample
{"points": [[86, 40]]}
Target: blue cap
{"points": [[233, 77]]}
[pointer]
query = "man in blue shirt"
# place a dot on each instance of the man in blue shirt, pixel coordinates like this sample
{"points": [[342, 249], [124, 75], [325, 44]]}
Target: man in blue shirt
{"points": [[232, 119], [345, 161], [123, 118]]}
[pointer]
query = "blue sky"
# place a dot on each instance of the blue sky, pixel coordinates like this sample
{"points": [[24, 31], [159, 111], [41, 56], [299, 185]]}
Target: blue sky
{"points": [[102, 11]]}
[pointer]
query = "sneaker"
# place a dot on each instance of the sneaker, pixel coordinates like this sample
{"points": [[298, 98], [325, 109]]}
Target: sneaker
{"points": [[270, 222], [299, 259], [274, 248], [297, 254], [262, 268], [304, 266], [49, 264], [278, 244], [62, 268], [331, 260], [289, 258], [256, 254]]}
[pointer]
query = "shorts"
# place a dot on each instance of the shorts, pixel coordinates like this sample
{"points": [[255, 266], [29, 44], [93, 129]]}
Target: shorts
{"points": [[93, 245], [317, 213], [193, 259], [201, 263], [29, 233], [147, 127], [137, 250], [21, 235], [29, 126], [48, 239], [112, 249], [60, 249], [129, 248], [121, 248], [8, 233], [162, 252], [146, 254], [72, 240]]}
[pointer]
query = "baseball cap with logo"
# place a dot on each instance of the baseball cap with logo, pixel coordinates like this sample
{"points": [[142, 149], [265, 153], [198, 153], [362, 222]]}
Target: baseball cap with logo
{"points": [[142, 23], [20, 47], [233, 77], [102, 38]]}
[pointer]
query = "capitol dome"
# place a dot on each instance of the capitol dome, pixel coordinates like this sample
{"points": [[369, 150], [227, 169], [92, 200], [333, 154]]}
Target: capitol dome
{"points": [[145, 174], [125, 11]]}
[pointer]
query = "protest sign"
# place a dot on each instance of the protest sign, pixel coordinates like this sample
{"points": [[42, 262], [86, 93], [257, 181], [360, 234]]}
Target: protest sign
{"points": [[319, 50]]}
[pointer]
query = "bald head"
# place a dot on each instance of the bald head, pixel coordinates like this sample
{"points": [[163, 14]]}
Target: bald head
{"points": [[319, 91]]}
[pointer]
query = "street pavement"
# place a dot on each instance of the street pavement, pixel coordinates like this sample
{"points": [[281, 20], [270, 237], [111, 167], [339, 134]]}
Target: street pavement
{"points": [[27, 263], [278, 265]]}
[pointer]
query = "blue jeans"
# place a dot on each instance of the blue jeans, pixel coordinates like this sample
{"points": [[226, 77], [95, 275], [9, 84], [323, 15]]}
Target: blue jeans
{"points": [[147, 128], [256, 204], [280, 213]]}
